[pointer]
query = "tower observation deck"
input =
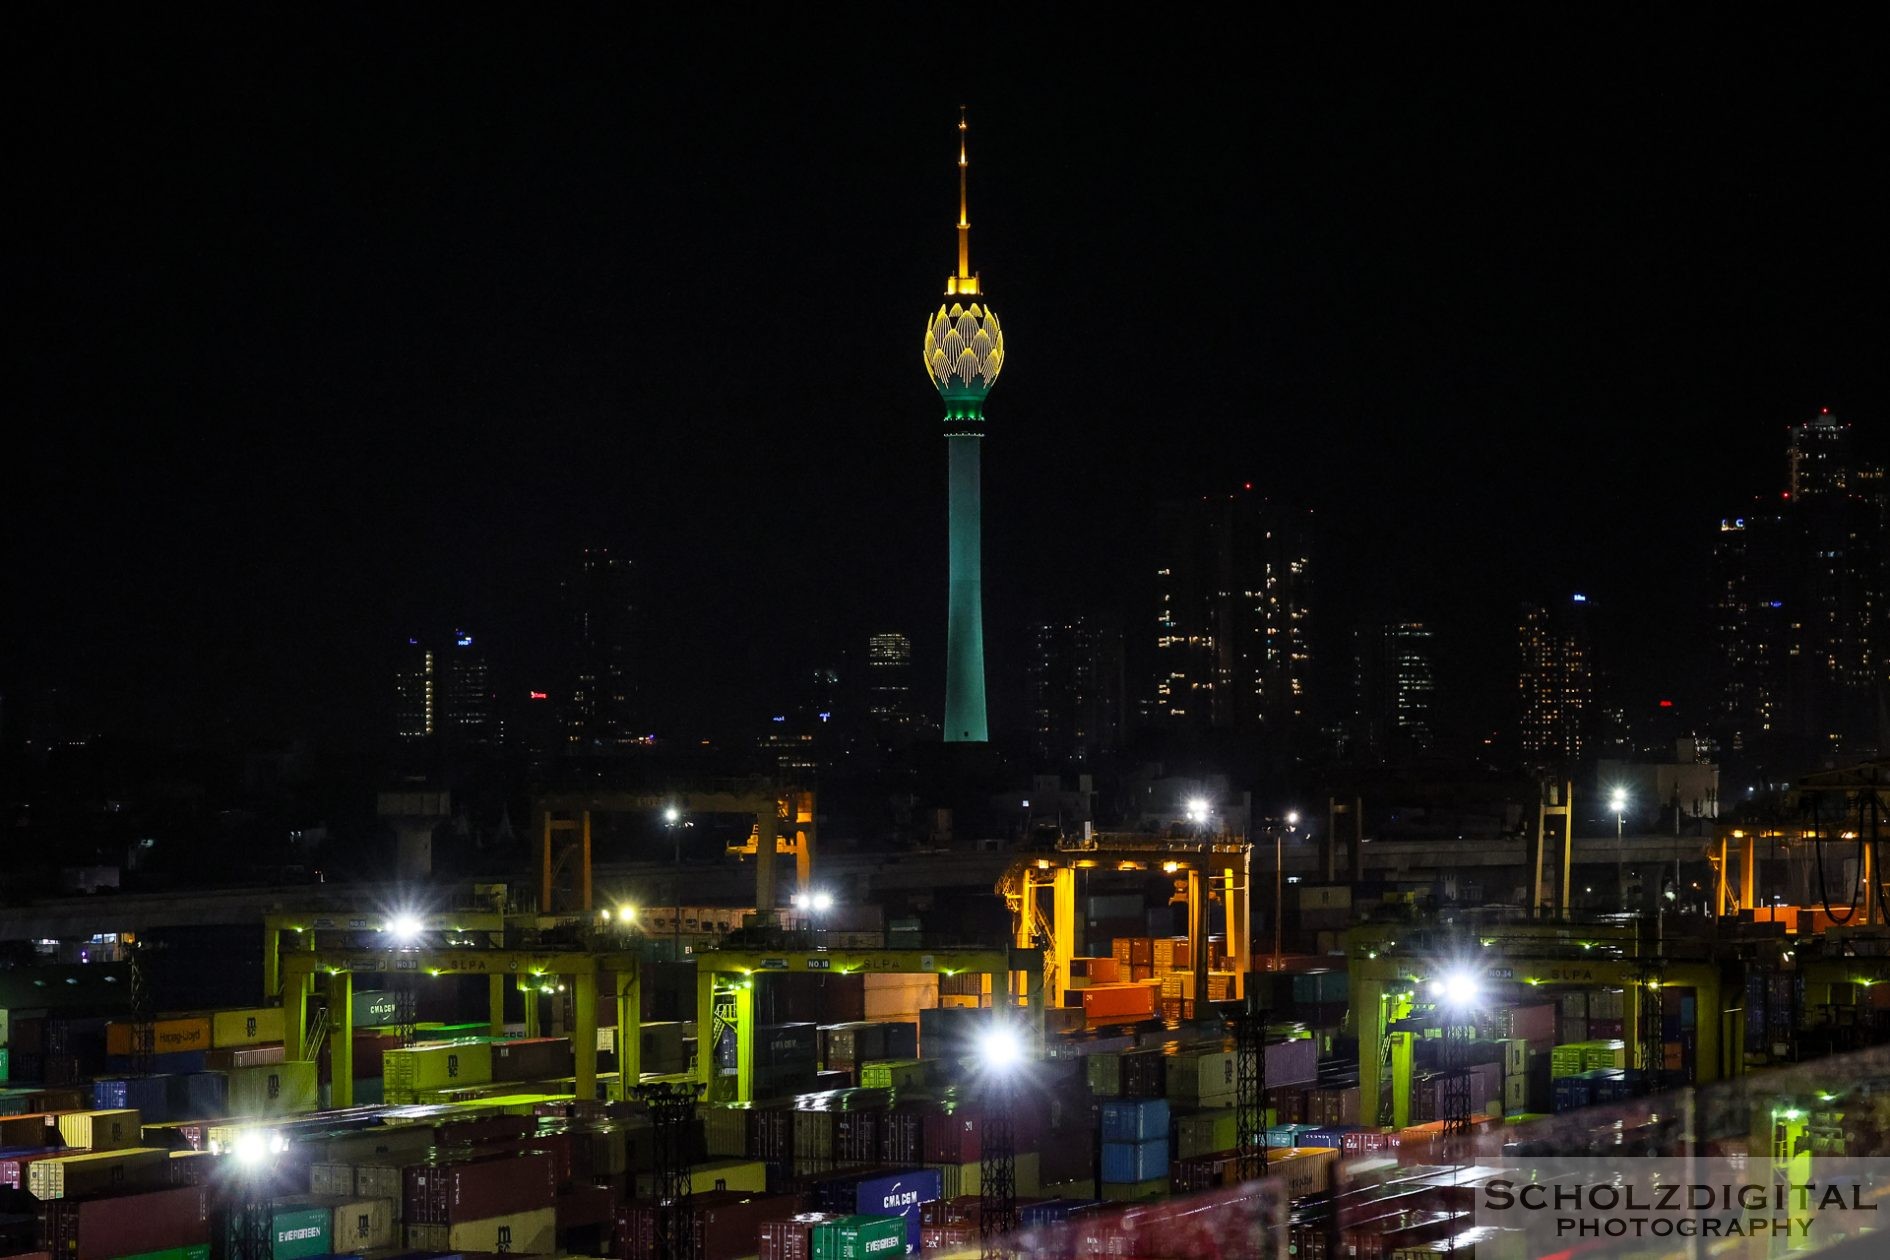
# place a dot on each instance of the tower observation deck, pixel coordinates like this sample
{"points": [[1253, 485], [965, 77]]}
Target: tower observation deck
{"points": [[964, 351]]}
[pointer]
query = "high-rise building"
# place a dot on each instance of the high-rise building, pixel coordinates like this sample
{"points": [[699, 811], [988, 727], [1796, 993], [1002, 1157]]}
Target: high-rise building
{"points": [[1234, 615], [1076, 691], [445, 693], [1394, 686], [414, 692], [1555, 681], [964, 351], [889, 681], [1799, 609], [468, 711], [599, 704]]}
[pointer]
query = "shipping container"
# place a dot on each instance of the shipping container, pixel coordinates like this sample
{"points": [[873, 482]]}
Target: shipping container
{"points": [[533, 1059], [261, 1056], [859, 1238], [68, 1176], [1134, 1161], [900, 1194], [364, 1225], [415, 1068], [894, 1074], [726, 1225], [444, 1193], [791, 1238], [280, 1089], [524, 1233], [1134, 1191], [296, 1230], [1118, 1003], [154, 1098], [1292, 1062], [746, 1175], [15, 1161], [249, 1026], [114, 1130], [1204, 1132], [116, 1226], [1202, 1078], [1134, 1120], [25, 1130], [167, 1036]]}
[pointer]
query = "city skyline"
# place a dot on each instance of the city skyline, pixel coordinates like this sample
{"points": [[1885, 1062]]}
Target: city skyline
{"points": [[500, 437]]}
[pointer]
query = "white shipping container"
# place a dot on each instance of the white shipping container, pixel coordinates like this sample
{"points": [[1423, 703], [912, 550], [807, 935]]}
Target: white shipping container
{"points": [[364, 1225], [1200, 1075]]}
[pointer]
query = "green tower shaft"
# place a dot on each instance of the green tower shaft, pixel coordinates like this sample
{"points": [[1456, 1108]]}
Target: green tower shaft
{"points": [[964, 351], [964, 630]]}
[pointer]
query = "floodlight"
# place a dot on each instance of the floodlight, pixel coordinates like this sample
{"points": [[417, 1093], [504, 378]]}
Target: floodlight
{"points": [[821, 902], [626, 914], [672, 814], [1458, 989], [1000, 1049], [1292, 818], [1198, 809], [1618, 801], [405, 927]]}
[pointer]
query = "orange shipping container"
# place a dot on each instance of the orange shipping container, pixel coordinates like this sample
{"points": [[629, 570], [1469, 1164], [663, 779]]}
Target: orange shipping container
{"points": [[168, 1036], [1118, 1001], [1109, 971]]}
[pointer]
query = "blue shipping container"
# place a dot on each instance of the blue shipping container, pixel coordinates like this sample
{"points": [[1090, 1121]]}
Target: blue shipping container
{"points": [[900, 1194], [1135, 1161], [1134, 1119], [150, 1095], [1051, 1211]]}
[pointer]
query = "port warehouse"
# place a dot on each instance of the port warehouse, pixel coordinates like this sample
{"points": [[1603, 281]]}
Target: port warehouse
{"points": [[488, 1101]]}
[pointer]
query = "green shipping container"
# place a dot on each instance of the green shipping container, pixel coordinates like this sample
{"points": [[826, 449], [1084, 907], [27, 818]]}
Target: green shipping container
{"points": [[5, 1068], [297, 1232], [199, 1252], [860, 1238]]}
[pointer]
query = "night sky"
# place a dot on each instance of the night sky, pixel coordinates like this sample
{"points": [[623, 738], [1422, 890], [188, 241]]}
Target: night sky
{"points": [[352, 322]]}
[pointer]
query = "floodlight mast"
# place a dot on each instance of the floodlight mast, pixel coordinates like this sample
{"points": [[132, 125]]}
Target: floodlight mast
{"points": [[1459, 993], [1001, 1055]]}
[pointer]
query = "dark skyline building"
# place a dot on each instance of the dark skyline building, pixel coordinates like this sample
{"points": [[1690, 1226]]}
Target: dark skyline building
{"points": [[1394, 690], [415, 695], [1234, 595], [1077, 696], [1555, 682], [599, 599], [1799, 609], [444, 691], [889, 706]]}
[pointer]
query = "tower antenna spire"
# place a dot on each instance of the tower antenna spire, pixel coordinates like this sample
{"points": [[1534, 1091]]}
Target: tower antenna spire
{"points": [[964, 223]]}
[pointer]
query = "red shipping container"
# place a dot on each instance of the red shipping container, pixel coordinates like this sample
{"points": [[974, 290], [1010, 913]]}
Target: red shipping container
{"points": [[585, 1205], [30, 1130], [902, 1134], [939, 1237], [126, 1225], [1118, 1003], [532, 1059], [558, 1145], [793, 1238], [470, 1190]]}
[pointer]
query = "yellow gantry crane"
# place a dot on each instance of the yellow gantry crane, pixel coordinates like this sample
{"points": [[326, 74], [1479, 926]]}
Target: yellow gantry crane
{"points": [[1213, 866]]}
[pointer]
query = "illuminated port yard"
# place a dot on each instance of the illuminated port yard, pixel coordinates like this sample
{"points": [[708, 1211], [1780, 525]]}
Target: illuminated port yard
{"points": [[517, 738]]}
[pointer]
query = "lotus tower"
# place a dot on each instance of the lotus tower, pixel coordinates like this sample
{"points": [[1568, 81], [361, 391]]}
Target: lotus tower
{"points": [[964, 350]]}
